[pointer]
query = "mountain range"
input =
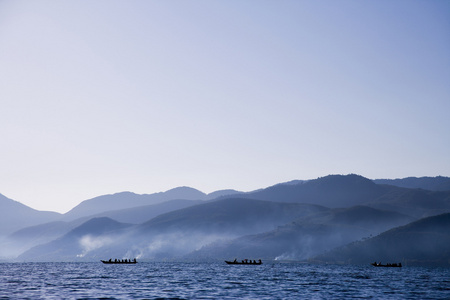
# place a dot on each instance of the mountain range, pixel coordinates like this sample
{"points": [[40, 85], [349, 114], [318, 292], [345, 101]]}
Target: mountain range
{"points": [[297, 220]]}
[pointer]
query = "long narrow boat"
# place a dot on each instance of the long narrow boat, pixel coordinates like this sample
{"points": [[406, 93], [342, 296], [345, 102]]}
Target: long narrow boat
{"points": [[399, 265], [244, 263], [112, 262]]}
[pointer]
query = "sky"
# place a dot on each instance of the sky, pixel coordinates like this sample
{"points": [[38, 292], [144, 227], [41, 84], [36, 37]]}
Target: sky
{"points": [[100, 97]]}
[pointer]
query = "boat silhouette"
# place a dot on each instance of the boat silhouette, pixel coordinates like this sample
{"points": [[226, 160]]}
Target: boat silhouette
{"points": [[120, 261], [244, 262], [394, 265]]}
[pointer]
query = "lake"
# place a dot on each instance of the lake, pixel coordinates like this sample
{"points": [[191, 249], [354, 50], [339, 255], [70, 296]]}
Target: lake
{"points": [[150, 280]]}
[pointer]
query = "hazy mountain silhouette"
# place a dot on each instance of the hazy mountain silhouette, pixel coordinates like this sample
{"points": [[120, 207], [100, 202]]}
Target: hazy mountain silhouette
{"points": [[307, 236], [126, 200], [91, 235], [141, 214], [330, 191], [14, 215], [438, 183], [230, 215], [292, 220], [28, 237], [426, 241], [349, 190], [179, 232], [175, 233], [290, 242], [374, 220], [31, 236], [415, 202], [223, 193]]}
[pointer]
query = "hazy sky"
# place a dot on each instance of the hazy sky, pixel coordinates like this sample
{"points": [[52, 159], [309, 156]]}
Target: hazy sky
{"points": [[100, 97]]}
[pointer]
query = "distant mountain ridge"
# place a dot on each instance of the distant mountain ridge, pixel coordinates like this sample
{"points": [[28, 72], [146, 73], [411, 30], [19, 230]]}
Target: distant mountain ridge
{"points": [[336, 191], [15, 215], [141, 214], [125, 200], [438, 183], [330, 191]]}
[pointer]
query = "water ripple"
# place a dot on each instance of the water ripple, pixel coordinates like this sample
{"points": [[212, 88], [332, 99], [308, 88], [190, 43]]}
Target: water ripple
{"points": [[218, 281]]}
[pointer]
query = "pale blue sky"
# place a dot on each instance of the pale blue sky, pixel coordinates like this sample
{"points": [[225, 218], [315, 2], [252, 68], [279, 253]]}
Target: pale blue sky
{"points": [[100, 97]]}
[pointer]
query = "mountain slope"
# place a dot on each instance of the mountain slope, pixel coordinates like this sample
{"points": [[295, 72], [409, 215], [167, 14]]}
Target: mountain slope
{"points": [[330, 191], [14, 215], [350, 190], [125, 200], [141, 214], [89, 236], [128, 200], [28, 237], [415, 202], [438, 183], [426, 241], [230, 215], [172, 234], [307, 236], [290, 242], [374, 220]]}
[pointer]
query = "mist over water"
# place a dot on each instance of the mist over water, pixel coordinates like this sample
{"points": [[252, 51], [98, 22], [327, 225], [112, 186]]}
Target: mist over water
{"points": [[219, 281]]}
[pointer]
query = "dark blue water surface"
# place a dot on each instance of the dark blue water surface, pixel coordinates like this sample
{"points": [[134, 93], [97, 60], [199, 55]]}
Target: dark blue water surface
{"points": [[219, 281]]}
